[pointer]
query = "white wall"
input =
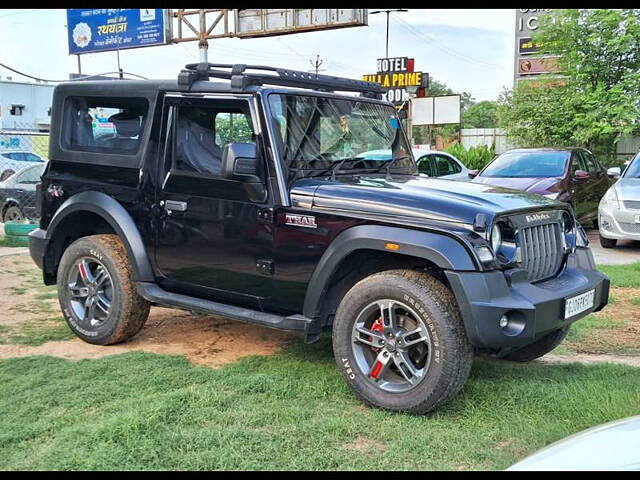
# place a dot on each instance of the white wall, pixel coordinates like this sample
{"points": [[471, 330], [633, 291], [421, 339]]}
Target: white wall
{"points": [[36, 97], [474, 137]]}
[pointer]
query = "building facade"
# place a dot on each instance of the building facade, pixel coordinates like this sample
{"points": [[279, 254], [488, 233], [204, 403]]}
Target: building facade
{"points": [[25, 106]]}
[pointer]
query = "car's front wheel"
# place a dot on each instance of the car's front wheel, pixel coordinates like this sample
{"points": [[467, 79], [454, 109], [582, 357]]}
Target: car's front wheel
{"points": [[400, 343], [97, 293]]}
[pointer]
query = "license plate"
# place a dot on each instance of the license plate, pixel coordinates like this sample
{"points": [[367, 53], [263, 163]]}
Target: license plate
{"points": [[578, 304], [637, 219]]}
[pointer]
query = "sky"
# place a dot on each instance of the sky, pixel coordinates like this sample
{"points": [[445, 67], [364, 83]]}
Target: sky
{"points": [[469, 50]]}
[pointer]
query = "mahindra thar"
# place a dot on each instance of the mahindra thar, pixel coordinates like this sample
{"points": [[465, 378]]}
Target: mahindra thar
{"points": [[251, 192]]}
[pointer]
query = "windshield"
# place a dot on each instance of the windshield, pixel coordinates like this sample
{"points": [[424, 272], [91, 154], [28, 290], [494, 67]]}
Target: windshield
{"points": [[320, 136], [633, 170], [528, 164]]}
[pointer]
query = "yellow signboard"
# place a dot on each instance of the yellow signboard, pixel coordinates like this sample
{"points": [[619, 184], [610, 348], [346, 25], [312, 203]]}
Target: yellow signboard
{"points": [[395, 79]]}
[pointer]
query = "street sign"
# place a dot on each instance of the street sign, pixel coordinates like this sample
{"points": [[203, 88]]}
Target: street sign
{"points": [[396, 74], [435, 110], [264, 22], [527, 23], [104, 29]]}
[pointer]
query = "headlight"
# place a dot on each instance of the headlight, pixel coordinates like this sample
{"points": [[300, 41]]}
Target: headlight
{"points": [[552, 196], [611, 198], [496, 238]]}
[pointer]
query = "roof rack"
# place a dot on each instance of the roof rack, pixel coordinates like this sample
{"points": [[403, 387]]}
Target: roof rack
{"points": [[241, 81]]}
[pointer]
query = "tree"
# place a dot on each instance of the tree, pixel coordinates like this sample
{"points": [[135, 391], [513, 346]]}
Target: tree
{"points": [[481, 115], [596, 99]]}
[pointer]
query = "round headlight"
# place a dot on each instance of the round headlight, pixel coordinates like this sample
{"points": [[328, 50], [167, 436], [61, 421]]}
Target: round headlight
{"points": [[496, 238]]}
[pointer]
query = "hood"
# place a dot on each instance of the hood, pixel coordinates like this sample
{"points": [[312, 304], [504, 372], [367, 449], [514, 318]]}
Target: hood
{"points": [[537, 185], [628, 188], [413, 197]]}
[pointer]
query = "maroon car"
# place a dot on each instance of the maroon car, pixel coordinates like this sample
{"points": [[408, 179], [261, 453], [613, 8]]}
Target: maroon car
{"points": [[571, 175]]}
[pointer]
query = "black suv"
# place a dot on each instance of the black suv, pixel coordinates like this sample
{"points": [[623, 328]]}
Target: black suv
{"points": [[250, 199]]}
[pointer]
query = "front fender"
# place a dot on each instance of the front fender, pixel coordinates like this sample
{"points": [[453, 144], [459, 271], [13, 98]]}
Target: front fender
{"points": [[117, 217], [444, 251]]}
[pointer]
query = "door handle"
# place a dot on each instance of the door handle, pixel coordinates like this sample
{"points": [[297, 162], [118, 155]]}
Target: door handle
{"points": [[175, 205]]}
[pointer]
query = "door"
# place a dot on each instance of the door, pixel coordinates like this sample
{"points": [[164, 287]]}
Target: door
{"points": [[213, 237], [580, 195], [599, 182]]}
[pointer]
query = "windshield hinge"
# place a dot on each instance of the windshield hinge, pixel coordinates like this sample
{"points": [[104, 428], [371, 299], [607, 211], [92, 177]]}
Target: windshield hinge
{"points": [[266, 214]]}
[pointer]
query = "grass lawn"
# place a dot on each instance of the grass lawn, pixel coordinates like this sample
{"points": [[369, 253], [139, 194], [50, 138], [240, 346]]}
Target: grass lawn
{"points": [[288, 411]]}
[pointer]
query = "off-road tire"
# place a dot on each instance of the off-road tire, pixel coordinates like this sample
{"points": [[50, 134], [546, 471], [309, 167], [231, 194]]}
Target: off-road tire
{"points": [[608, 242], [437, 307], [129, 311], [540, 347]]}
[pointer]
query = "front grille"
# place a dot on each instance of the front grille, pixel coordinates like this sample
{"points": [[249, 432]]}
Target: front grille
{"points": [[630, 227], [632, 204], [542, 251]]}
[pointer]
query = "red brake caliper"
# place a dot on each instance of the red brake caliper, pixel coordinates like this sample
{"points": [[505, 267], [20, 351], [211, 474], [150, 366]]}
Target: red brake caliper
{"points": [[376, 327]]}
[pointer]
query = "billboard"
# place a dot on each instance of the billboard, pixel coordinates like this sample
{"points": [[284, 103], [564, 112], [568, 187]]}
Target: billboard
{"points": [[396, 74], [264, 22], [527, 23], [435, 110], [104, 29], [537, 65]]}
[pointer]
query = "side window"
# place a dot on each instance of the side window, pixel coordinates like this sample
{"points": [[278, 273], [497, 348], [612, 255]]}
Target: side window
{"points": [[31, 157], [445, 166], [104, 125], [201, 133], [424, 165], [31, 175], [591, 163], [577, 163]]}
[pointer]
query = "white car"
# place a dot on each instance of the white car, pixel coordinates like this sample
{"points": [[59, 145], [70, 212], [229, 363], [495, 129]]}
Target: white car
{"points": [[619, 209], [13, 160], [432, 163]]}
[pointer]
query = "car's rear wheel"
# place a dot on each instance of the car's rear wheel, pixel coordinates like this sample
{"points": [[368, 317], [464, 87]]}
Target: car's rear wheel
{"points": [[6, 174], [399, 341], [608, 242], [97, 293], [12, 214]]}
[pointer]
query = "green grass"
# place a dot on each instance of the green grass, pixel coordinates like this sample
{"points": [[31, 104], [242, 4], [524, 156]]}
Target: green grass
{"points": [[622, 275], [37, 332], [288, 411], [589, 324], [18, 290]]}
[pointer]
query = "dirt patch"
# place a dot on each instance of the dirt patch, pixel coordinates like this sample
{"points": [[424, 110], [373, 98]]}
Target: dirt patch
{"points": [[366, 446], [590, 359], [616, 329], [206, 340]]}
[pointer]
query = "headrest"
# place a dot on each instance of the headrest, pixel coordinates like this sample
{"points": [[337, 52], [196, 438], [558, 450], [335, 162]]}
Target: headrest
{"points": [[127, 123]]}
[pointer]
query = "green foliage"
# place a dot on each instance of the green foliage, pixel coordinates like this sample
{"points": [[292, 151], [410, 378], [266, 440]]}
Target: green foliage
{"points": [[596, 99], [481, 115], [285, 412], [475, 158]]}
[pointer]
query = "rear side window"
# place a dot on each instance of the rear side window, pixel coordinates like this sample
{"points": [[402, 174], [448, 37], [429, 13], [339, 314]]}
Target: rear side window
{"points": [[104, 125], [445, 166]]}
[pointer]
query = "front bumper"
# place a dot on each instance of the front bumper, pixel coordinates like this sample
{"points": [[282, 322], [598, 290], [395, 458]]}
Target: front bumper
{"points": [[618, 224], [484, 297]]}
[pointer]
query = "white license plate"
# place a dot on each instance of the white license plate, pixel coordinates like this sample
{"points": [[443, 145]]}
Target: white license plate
{"points": [[637, 219], [579, 303]]}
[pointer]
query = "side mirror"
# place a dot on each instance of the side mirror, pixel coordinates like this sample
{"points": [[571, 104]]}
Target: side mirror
{"points": [[473, 173], [614, 172], [581, 174], [240, 162]]}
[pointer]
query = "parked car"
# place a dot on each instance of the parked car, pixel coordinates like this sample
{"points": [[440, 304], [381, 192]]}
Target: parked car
{"points": [[283, 224], [432, 163], [18, 193], [571, 175], [611, 446], [619, 209], [13, 160]]}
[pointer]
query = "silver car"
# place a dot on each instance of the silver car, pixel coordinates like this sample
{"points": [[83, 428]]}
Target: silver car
{"points": [[612, 446], [619, 209]]}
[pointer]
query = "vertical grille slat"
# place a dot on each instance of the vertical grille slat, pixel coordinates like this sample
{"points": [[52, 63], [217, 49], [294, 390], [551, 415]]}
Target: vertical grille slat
{"points": [[539, 246]]}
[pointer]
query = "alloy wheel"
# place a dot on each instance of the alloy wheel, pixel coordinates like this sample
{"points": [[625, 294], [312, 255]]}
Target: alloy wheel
{"points": [[91, 292]]}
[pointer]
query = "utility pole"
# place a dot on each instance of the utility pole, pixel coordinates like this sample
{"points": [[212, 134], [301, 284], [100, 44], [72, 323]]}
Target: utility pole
{"points": [[388, 12], [316, 65]]}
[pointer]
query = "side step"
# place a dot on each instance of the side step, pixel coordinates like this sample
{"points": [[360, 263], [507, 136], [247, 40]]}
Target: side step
{"points": [[155, 294]]}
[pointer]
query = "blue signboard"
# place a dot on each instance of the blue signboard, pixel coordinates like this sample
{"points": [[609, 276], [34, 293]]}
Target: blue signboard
{"points": [[103, 29]]}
